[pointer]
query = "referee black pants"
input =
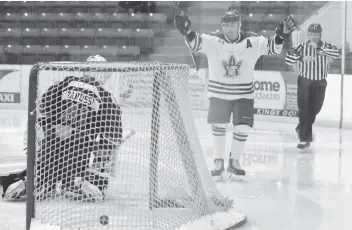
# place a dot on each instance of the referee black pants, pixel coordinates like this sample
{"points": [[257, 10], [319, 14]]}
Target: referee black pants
{"points": [[310, 99]]}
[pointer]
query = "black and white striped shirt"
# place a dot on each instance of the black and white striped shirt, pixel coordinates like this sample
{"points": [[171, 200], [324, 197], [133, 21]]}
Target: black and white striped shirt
{"points": [[313, 70]]}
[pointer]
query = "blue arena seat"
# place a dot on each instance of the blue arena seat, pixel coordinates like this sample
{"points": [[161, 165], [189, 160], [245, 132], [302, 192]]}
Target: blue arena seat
{"points": [[77, 6], [71, 51], [29, 54], [154, 21], [2, 54], [121, 37], [111, 7], [254, 17], [100, 20], [82, 20], [142, 38], [28, 20], [30, 36], [128, 53], [11, 6], [109, 52], [95, 7], [12, 36], [15, 49], [42, 7], [46, 20], [118, 20], [11, 20], [85, 52], [60, 7], [64, 20], [49, 53], [66, 36], [135, 21], [12, 53], [85, 36], [26, 6], [103, 36], [2, 34], [48, 36]]}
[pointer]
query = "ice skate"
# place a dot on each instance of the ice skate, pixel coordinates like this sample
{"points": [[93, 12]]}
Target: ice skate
{"points": [[217, 172], [234, 169], [303, 145]]}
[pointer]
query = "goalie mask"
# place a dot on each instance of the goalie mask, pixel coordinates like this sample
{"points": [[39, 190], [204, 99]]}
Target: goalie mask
{"points": [[231, 24], [99, 76]]}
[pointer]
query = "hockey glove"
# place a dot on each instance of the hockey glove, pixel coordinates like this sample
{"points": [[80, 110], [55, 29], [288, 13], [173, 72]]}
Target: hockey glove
{"points": [[286, 27], [182, 23]]}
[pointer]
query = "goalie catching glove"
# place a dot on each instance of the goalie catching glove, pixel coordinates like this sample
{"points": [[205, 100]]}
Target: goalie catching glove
{"points": [[286, 27]]}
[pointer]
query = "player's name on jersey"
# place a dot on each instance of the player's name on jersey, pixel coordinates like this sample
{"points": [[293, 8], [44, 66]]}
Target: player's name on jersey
{"points": [[276, 112], [6, 97], [81, 98]]}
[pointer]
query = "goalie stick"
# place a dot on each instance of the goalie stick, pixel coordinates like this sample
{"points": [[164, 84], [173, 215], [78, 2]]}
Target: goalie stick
{"points": [[114, 155]]}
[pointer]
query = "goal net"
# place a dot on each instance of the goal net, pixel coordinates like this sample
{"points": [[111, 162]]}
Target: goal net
{"points": [[156, 178]]}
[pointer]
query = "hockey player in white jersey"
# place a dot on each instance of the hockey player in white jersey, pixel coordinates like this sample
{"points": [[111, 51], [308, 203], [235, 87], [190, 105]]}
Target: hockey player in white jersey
{"points": [[232, 55]]}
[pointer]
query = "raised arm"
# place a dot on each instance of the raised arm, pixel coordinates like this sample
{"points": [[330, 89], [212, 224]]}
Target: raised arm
{"points": [[197, 42], [274, 44]]}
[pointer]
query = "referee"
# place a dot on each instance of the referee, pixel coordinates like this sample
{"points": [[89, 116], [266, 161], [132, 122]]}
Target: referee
{"points": [[313, 57]]}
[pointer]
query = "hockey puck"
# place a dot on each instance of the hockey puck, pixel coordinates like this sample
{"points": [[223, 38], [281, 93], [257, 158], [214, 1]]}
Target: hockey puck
{"points": [[104, 219]]}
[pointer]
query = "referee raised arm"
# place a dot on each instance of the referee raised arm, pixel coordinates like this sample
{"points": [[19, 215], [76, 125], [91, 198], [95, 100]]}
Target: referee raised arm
{"points": [[313, 57]]}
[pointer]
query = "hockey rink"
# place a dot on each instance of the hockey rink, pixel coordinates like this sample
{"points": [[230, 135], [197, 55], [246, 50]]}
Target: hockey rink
{"points": [[283, 189]]}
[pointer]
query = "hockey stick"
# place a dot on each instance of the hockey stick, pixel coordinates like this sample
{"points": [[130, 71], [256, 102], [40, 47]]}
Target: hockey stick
{"points": [[187, 43], [119, 142], [114, 156]]}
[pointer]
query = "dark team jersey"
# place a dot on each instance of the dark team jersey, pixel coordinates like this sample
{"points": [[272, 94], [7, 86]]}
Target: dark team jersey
{"points": [[82, 104]]}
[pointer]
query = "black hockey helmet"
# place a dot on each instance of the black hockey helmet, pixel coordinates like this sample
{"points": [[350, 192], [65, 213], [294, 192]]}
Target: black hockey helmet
{"points": [[231, 16], [315, 28]]}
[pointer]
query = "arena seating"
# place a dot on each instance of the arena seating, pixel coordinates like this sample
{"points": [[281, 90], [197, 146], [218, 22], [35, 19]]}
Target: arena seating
{"points": [[53, 31], [36, 31]]}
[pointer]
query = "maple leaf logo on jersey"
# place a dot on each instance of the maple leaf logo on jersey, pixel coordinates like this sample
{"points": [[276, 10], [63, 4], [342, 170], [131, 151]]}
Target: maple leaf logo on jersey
{"points": [[232, 67]]}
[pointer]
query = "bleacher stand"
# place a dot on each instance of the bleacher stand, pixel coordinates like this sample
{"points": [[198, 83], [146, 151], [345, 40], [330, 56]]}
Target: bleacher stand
{"points": [[54, 31]]}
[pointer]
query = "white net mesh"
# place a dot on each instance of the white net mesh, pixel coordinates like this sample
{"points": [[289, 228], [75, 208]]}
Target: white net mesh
{"points": [[156, 178]]}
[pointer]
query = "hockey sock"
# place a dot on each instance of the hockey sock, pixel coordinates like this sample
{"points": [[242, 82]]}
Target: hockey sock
{"points": [[219, 134], [240, 134]]}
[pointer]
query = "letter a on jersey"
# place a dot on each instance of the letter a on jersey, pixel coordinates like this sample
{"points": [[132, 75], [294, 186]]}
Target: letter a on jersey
{"points": [[249, 44], [232, 67]]}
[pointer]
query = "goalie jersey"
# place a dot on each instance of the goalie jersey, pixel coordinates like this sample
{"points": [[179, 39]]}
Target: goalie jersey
{"points": [[231, 64], [82, 104]]}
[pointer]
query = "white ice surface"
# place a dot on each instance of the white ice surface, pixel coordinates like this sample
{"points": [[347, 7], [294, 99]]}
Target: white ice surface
{"points": [[284, 190]]}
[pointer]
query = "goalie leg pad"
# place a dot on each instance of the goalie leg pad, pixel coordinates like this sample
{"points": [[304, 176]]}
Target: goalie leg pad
{"points": [[13, 187], [7, 181]]}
